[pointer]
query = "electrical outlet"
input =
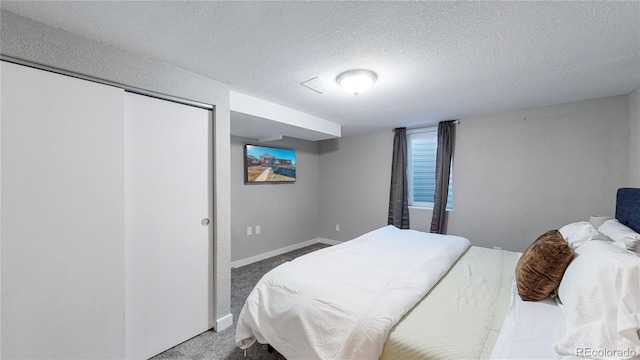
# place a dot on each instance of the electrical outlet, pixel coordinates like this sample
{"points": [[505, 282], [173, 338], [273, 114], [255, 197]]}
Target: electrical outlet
{"points": [[257, 232], [249, 231], [337, 227]]}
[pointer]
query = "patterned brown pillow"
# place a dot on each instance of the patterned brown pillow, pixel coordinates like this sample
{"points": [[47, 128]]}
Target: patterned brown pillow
{"points": [[542, 265]]}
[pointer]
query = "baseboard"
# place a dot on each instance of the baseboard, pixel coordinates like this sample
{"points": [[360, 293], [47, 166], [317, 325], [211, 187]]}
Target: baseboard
{"points": [[286, 249], [224, 322], [328, 241]]}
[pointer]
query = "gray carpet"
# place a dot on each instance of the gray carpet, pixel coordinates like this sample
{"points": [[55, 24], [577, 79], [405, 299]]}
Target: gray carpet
{"points": [[221, 345]]}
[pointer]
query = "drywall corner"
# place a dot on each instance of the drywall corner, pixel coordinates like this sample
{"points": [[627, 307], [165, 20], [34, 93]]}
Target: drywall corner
{"points": [[634, 138]]}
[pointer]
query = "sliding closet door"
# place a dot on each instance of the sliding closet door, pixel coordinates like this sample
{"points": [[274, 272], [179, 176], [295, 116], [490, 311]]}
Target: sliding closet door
{"points": [[168, 231], [62, 217]]}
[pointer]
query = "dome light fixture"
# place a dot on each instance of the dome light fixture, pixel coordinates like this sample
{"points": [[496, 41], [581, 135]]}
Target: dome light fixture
{"points": [[356, 81]]}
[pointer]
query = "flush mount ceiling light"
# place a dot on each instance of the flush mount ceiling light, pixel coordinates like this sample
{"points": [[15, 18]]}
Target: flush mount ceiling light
{"points": [[356, 81]]}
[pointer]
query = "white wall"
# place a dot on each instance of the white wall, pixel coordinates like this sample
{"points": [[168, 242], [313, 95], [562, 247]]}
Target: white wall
{"points": [[286, 213], [634, 138], [29, 40], [355, 175], [516, 175]]}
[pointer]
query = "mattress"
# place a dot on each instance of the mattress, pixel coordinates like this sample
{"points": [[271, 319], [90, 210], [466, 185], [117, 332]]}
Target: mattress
{"points": [[461, 317]]}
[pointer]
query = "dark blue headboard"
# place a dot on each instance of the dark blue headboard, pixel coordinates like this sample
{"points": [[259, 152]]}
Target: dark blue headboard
{"points": [[628, 207]]}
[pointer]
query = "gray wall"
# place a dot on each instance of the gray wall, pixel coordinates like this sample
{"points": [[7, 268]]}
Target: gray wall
{"points": [[516, 175], [286, 213], [25, 39], [634, 138], [520, 174], [355, 174]]}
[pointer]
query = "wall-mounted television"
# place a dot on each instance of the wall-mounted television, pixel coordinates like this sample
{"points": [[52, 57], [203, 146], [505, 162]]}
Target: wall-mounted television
{"points": [[267, 165]]}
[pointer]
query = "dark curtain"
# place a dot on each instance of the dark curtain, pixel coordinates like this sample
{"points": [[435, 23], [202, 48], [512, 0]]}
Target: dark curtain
{"points": [[444, 155], [398, 204]]}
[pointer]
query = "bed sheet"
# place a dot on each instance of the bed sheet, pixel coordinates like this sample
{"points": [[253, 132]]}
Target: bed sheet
{"points": [[460, 318], [530, 330]]}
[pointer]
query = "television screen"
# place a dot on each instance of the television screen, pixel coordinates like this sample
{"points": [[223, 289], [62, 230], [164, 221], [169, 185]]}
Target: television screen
{"points": [[265, 164]]}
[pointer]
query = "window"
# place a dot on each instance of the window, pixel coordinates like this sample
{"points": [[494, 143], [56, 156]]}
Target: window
{"points": [[421, 168]]}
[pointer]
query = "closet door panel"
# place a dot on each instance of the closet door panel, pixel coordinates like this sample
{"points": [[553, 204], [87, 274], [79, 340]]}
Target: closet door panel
{"points": [[62, 201], [168, 249]]}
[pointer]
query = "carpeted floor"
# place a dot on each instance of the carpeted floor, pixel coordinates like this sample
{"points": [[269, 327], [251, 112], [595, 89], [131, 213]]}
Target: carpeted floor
{"points": [[221, 345]]}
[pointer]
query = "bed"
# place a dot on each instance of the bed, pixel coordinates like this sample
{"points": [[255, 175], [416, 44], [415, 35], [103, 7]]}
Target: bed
{"points": [[450, 300]]}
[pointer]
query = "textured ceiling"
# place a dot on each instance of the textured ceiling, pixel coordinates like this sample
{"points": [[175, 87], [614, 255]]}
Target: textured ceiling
{"points": [[434, 60]]}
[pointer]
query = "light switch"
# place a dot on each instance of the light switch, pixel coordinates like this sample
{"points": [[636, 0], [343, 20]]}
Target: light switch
{"points": [[257, 229], [248, 230]]}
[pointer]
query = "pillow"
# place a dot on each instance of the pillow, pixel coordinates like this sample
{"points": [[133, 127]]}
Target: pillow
{"points": [[599, 292], [578, 233], [541, 266], [621, 233], [596, 221]]}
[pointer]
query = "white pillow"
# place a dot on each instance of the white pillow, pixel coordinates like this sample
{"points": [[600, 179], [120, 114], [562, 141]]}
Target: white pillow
{"points": [[596, 221], [599, 292], [578, 233], [620, 232]]}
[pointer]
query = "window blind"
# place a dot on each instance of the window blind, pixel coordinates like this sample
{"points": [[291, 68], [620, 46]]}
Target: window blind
{"points": [[422, 147]]}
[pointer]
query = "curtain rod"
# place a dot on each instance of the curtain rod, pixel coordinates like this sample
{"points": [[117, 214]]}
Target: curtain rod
{"points": [[457, 122]]}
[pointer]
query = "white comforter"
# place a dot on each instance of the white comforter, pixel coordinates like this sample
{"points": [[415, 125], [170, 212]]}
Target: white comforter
{"points": [[340, 302]]}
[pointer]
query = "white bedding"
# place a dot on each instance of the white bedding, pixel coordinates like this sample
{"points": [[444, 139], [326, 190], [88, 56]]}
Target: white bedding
{"points": [[530, 329], [600, 293], [340, 302]]}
